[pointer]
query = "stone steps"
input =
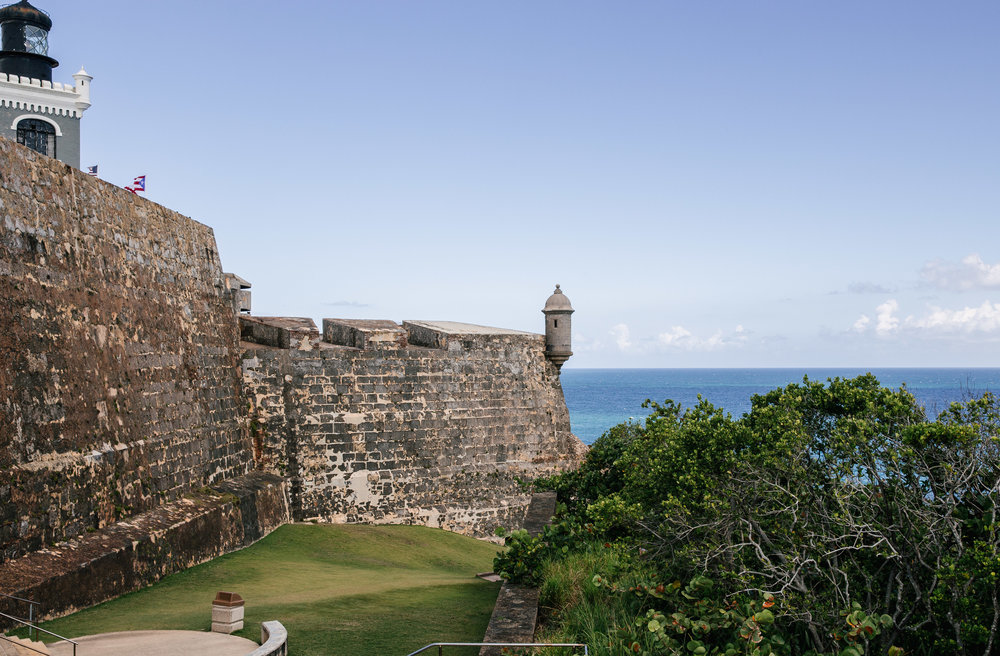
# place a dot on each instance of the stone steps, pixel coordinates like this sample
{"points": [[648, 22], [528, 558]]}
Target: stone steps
{"points": [[11, 646]]}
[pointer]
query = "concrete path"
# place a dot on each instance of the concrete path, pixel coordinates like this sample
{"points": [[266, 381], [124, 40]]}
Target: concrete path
{"points": [[156, 643]]}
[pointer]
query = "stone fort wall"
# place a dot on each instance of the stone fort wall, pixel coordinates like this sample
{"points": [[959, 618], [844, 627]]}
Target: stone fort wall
{"points": [[428, 422], [119, 385], [129, 390]]}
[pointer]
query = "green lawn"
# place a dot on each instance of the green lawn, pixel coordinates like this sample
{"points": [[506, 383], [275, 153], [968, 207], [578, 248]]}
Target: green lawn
{"points": [[376, 590]]}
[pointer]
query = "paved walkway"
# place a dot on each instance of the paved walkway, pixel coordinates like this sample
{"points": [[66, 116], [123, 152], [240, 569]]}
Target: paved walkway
{"points": [[156, 643]]}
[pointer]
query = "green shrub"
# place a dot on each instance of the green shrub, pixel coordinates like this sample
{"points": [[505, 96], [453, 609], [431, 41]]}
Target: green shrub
{"points": [[872, 528], [599, 596], [521, 560]]}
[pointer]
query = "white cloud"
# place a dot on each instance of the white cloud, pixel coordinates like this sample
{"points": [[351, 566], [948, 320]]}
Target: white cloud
{"points": [[714, 342], [982, 319], [886, 321], [985, 318], [676, 335], [621, 334], [679, 337], [970, 273]]}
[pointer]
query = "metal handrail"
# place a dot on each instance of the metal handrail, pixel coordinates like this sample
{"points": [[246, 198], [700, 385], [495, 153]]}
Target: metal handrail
{"points": [[440, 645], [31, 608], [37, 629], [27, 601]]}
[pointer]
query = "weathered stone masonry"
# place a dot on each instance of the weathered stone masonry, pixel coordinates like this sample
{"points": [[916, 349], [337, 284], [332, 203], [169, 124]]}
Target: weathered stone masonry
{"points": [[119, 385], [428, 422], [132, 553], [132, 417]]}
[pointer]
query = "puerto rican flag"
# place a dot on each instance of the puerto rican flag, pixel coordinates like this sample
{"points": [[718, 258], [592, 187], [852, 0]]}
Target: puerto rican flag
{"points": [[139, 184]]}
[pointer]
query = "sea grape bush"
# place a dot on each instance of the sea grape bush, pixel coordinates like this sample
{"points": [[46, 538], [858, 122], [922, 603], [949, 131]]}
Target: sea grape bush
{"points": [[869, 528], [524, 556], [698, 620]]}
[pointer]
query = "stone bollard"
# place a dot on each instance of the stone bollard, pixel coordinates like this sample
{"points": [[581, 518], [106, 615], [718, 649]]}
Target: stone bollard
{"points": [[227, 612]]}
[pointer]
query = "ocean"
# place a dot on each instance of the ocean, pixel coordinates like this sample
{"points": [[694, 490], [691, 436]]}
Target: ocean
{"points": [[600, 398]]}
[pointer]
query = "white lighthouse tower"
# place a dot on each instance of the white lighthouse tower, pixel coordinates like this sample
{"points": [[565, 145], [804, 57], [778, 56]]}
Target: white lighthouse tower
{"points": [[35, 111]]}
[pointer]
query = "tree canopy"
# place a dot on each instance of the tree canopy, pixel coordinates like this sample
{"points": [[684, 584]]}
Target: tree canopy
{"points": [[832, 518]]}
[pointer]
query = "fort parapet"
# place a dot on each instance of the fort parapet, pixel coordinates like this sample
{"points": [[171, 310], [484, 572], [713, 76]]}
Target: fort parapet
{"points": [[132, 386], [428, 422], [64, 102]]}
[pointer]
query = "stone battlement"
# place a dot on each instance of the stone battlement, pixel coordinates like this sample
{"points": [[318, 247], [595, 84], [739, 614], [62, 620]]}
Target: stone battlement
{"points": [[365, 334], [35, 95], [280, 332]]}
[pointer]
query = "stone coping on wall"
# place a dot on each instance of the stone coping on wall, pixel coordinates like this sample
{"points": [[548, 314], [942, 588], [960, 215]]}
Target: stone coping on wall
{"points": [[539, 513], [515, 613], [273, 640], [450, 334], [459, 328], [135, 552], [514, 617]]}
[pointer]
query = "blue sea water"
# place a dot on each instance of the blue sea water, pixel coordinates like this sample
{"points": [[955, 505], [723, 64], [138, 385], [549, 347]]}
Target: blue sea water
{"points": [[600, 398]]}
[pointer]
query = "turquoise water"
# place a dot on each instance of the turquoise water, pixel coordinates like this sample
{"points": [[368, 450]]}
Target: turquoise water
{"points": [[600, 398]]}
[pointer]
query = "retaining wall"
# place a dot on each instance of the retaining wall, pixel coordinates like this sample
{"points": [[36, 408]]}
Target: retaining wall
{"points": [[515, 614], [133, 553]]}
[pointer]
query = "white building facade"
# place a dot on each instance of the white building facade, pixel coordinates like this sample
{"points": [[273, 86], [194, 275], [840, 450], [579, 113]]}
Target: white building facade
{"points": [[35, 111]]}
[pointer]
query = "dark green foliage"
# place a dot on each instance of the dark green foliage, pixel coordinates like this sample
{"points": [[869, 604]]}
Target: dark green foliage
{"points": [[870, 528], [600, 475], [524, 556], [522, 560]]}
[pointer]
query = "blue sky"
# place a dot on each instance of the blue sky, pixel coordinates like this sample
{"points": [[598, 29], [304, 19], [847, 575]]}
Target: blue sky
{"points": [[768, 183]]}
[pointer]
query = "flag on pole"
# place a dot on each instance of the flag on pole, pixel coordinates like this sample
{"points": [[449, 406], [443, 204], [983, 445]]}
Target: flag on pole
{"points": [[92, 170], [139, 184]]}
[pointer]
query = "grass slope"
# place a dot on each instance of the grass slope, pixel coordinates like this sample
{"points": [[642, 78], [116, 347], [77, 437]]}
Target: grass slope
{"points": [[378, 590]]}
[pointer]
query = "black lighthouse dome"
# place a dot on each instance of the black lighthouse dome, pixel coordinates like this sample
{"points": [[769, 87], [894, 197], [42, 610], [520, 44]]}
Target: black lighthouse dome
{"points": [[24, 11], [24, 44]]}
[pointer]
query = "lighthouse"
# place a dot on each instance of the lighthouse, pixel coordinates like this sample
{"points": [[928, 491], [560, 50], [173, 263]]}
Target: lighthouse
{"points": [[35, 111]]}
